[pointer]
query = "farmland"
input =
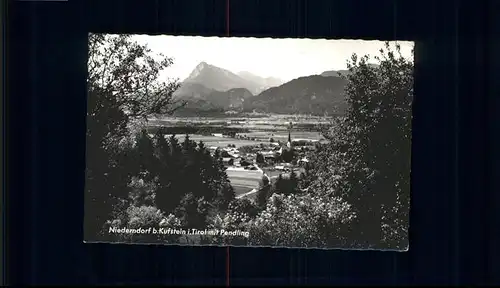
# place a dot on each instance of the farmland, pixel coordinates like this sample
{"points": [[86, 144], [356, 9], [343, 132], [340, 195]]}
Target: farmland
{"points": [[215, 141], [243, 131], [249, 130]]}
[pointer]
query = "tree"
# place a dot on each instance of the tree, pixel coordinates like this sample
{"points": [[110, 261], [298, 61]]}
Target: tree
{"points": [[260, 158], [293, 183], [168, 194], [287, 155], [264, 192], [128, 73], [280, 185], [370, 148], [193, 211], [224, 190], [145, 157], [123, 84]]}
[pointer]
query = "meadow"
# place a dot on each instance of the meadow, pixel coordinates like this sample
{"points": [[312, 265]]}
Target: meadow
{"points": [[244, 181]]}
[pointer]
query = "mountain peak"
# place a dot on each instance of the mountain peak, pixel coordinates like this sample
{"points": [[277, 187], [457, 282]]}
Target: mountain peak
{"points": [[197, 70], [202, 64]]}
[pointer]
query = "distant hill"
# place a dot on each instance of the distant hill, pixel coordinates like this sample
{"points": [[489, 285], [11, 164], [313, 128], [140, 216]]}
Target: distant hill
{"points": [[261, 82], [231, 99], [218, 79], [198, 107], [335, 73], [341, 72], [188, 91], [306, 95]]}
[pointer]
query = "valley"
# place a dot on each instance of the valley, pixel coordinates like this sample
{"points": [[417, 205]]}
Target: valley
{"points": [[242, 138], [254, 120]]}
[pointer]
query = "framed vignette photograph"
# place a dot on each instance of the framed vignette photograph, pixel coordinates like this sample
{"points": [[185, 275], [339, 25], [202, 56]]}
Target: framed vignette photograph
{"points": [[63, 50], [315, 153]]}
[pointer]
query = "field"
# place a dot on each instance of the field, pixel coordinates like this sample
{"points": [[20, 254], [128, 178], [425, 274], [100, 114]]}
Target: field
{"points": [[260, 130], [244, 181], [218, 141], [282, 135]]}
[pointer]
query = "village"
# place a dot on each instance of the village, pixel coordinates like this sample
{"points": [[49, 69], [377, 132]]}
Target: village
{"points": [[247, 165]]}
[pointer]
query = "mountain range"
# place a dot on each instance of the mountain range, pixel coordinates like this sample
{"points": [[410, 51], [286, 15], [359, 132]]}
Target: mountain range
{"points": [[211, 89]]}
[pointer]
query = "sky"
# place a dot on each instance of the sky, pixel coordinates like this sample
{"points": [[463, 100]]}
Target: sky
{"points": [[285, 59]]}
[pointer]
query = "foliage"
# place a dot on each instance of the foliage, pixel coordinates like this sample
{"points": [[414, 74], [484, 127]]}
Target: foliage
{"points": [[297, 221], [288, 155], [286, 185], [129, 73], [166, 162], [260, 158], [144, 217], [243, 206], [141, 193], [264, 192], [368, 159], [193, 211], [123, 84]]}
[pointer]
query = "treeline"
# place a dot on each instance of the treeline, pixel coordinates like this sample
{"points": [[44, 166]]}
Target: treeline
{"points": [[180, 180], [177, 184], [197, 112], [197, 129]]}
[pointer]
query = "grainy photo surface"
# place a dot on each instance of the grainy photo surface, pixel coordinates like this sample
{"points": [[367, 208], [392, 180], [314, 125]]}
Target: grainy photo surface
{"points": [[296, 143]]}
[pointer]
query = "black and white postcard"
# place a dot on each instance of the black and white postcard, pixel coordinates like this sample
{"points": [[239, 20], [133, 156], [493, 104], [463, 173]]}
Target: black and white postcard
{"points": [[258, 142]]}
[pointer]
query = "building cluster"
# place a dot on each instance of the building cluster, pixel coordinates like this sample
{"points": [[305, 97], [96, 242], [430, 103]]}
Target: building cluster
{"points": [[269, 155]]}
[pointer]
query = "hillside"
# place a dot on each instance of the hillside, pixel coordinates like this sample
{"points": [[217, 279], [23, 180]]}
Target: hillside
{"points": [[189, 91], [231, 99], [218, 79], [306, 95], [198, 107], [335, 73], [342, 72]]}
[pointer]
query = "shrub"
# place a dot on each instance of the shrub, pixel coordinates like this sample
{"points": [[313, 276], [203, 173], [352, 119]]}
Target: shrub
{"points": [[293, 220], [142, 193], [302, 221], [144, 217]]}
